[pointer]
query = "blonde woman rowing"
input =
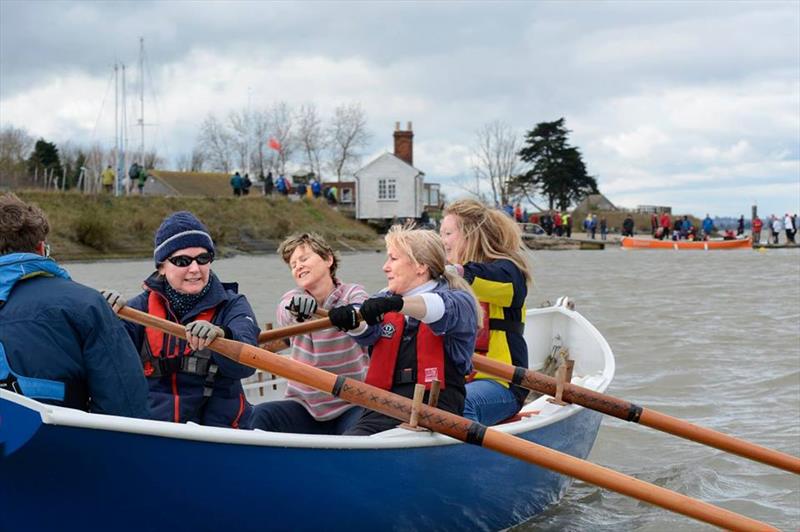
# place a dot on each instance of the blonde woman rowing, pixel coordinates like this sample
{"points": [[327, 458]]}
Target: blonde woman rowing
{"points": [[484, 245], [419, 329]]}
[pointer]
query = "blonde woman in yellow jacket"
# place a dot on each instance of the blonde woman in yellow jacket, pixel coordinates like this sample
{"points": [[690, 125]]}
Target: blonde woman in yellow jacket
{"points": [[484, 245]]}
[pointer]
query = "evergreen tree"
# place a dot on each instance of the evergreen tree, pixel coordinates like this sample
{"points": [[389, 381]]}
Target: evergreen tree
{"points": [[45, 158], [557, 169]]}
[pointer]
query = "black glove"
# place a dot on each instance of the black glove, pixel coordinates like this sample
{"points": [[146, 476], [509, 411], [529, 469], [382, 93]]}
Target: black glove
{"points": [[373, 309], [302, 307], [344, 318]]}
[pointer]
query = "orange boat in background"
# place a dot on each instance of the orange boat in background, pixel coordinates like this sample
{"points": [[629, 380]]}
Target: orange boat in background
{"points": [[643, 243]]}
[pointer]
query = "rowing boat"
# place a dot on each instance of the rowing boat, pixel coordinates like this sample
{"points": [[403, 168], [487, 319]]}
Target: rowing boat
{"points": [[64, 468], [644, 243]]}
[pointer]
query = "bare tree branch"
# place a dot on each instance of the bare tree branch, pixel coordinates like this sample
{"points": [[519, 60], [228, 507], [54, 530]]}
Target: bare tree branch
{"points": [[311, 136], [216, 144], [281, 125], [495, 159], [348, 134]]}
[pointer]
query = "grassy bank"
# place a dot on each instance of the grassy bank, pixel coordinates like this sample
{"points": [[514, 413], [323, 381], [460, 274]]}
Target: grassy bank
{"points": [[86, 227]]}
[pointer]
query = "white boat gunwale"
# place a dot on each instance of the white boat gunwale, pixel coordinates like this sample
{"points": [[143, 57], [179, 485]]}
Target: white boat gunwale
{"points": [[394, 439]]}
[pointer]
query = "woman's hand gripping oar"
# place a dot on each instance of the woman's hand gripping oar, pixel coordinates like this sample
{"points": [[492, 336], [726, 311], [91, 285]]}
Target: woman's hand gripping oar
{"points": [[624, 410], [462, 429]]}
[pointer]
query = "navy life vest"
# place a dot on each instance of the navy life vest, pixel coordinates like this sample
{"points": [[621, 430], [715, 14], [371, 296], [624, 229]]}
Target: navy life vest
{"points": [[429, 355]]}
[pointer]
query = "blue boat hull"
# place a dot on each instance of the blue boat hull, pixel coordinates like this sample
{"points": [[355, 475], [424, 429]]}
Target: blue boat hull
{"points": [[65, 478]]}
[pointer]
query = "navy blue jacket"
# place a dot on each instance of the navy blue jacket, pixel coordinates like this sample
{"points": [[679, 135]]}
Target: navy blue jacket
{"points": [[227, 406], [54, 328]]}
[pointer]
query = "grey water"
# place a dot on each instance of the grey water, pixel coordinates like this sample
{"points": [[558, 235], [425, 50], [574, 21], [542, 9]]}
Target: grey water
{"points": [[709, 337]]}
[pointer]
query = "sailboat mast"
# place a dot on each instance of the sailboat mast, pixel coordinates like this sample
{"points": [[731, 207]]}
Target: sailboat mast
{"points": [[141, 98], [118, 176]]}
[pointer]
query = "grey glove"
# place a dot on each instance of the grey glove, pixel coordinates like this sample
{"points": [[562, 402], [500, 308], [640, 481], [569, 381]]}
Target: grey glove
{"points": [[200, 333], [114, 299], [302, 307]]}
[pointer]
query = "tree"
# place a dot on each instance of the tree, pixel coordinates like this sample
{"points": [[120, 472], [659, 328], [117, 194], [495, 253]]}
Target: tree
{"points": [[557, 169], [348, 134], [239, 124], [15, 147], [495, 160], [198, 160], [216, 143], [45, 160], [281, 125], [260, 158], [311, 137]]}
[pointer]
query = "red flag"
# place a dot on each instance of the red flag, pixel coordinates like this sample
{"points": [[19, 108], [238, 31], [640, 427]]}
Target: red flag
{"points": [[274, 144]]}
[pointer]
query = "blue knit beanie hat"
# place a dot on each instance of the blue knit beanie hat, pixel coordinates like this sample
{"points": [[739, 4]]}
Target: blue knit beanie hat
{"points": [[178, 231]]}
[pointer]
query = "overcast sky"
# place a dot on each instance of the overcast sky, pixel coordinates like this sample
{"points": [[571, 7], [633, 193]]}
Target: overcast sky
{"points": [[689, 104]]}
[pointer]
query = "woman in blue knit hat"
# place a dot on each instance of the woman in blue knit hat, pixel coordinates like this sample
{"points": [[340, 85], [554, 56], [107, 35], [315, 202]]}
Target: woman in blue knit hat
{"points": [[187, 381]]}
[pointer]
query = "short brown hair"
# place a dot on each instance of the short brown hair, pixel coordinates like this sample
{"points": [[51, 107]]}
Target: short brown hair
{"points": [[317, 244], [22, 226]]}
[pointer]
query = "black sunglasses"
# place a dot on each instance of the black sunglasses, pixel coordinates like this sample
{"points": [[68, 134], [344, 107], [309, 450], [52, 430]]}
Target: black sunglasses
{"points": [[184, 261]]}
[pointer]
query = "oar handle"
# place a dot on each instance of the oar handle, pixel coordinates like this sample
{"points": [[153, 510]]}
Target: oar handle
{"points": [[437, 420], [619, 408], [294, 330], [299, 328]]}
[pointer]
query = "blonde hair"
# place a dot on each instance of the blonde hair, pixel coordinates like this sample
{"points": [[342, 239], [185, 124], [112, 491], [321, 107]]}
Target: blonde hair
{"points": [[317, 244], [425, 248], [489, 234]]}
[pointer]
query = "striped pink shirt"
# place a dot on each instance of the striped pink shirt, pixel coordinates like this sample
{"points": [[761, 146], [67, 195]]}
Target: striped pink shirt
{"points": [[328, 349]]}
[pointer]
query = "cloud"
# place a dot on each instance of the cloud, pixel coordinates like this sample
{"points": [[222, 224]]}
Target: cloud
{"points": [[659, 96]]}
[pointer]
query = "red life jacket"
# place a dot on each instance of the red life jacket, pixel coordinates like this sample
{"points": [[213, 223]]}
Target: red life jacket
{"points": [[482, 339], [429, 354], [157, 340]]}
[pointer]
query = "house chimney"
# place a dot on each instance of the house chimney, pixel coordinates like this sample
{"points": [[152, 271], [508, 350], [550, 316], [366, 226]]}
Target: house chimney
{"points": [[404, 143]]}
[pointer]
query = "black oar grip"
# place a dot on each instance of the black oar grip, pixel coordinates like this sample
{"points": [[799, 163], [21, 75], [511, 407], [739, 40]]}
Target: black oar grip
{"points": [[338, 385], [475, 434], [634, 413]]}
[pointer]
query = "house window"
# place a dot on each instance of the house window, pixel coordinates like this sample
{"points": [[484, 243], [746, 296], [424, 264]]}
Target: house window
{"points": [[387, 189]]}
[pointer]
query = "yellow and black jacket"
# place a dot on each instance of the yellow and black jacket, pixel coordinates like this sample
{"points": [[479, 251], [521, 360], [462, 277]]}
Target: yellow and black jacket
{"points": [[501, 286]]}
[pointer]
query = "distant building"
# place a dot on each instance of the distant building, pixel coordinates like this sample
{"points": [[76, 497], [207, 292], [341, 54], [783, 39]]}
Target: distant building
{"points": [[649, 209], [595, 202], [391, 187]]}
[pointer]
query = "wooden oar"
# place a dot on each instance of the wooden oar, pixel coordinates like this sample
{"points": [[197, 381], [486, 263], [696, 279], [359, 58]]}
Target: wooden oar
{"points": [[624, 410], [457, 427], [600, 402], [294, 330]]}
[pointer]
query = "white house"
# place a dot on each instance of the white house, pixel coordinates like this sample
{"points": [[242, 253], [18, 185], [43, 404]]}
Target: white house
{"points": [[389, 186]]}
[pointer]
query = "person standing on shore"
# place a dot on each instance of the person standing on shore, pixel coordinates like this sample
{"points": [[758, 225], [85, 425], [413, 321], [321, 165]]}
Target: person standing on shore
{"points": [[627, 226], [788, 225], [755, 226], [59, 341], [488, 252], [666, 225], [603, 228], [313, 264], [740, 226], [189, 382], [269, 184], [108, 176], [708, 226], [236, 184], [777, 227]]}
